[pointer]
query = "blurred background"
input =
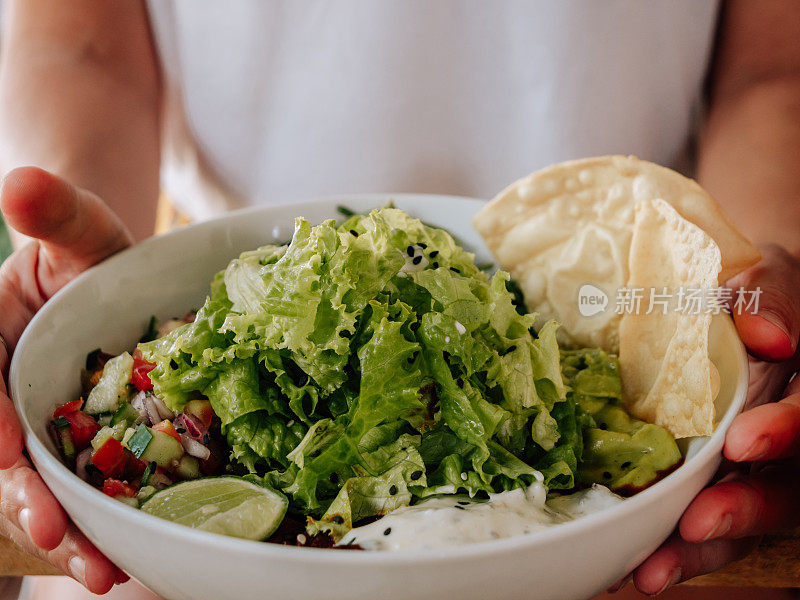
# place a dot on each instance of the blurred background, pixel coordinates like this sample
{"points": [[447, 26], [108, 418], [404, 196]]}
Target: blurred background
{"points": [[5, 243]]}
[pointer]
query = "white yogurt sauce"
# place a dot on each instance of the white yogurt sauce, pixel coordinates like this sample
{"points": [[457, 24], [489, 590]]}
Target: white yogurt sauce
{"points": [[443, 522]]}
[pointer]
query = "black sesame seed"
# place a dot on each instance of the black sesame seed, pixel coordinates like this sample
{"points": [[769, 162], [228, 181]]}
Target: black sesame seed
{"points": [[422, 245], [393, 490], [338, 519], [180, 430], [354, 233], [606, 475], [459, 507], [434, 254], [626, 464], [416, 260], [416, 475], [435, 265], [454, 270], [410, 250], [387, 531], [463, 502]]}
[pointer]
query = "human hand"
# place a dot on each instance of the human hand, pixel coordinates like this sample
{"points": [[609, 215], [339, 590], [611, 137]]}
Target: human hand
{"points": [[72, 230], [725, 521]]}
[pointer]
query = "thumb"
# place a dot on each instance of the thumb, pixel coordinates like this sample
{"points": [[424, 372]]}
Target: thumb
{"points": [[75, 228], [771, 329]]}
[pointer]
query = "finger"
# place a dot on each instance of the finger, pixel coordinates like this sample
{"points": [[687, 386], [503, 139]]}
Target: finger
{"points": [[771, 332], [29, 505], [766, 432], [678, 560], [744, 507], [75, 556], [79, 558], [10, 433], [121, 576], [75, 227], [768, 381]]}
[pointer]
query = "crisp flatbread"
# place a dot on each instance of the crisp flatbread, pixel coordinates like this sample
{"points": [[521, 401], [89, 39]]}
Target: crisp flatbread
{"points": [[667, 376], [570, 225]]}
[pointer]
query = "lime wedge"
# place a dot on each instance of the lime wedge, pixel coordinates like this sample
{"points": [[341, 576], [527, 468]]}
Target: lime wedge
{"points": [[225, 505]]}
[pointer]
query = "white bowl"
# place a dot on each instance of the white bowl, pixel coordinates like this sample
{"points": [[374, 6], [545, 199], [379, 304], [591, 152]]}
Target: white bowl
{"points": [[109, 307]]}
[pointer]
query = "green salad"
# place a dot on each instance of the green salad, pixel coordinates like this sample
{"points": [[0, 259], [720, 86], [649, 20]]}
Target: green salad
{"points": [[371, 363], [367, 365]]}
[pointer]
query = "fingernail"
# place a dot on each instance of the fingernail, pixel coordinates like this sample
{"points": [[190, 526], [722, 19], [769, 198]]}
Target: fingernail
{"points": [[25, 520], [77, 568], [620, 584], [673, 578], [722, 527], [757, 449]]}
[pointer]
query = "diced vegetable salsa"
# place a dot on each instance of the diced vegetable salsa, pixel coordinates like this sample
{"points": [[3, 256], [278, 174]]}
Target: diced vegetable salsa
{"points": [[122, 439]]}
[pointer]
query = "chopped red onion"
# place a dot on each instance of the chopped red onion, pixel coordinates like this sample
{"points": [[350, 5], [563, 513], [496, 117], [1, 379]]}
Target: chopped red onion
{"points": [[193, 426], [194, 448], [138, 404], [83, 458], [163, 411], [152, 411]]}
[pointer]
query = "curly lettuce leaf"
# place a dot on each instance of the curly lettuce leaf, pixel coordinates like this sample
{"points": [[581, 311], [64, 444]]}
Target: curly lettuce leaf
{"points": [[615, 449], [370, 364]]}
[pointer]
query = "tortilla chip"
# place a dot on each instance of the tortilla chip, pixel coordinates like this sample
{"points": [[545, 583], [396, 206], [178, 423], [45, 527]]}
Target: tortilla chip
{"points": [[667, 375], [570, 225]]}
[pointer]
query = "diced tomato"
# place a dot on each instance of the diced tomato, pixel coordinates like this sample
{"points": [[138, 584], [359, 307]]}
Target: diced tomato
{"points": [[133, 466], [190, 316], [110, 458], [83, 427], [140, 377], [168, 428], [115, 487], [67, 408]]}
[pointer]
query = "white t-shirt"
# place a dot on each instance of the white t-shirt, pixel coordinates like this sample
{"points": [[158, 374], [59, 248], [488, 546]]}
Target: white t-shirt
{"points": [[273, 101]]}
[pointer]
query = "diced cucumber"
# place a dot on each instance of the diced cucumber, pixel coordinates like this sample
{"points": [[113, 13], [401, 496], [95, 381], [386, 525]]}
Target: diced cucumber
{"points": [[117, 432], [145, 492], [64, 434], [126, 414], [127, 500], [112, 389], [188, 467], [148, 473], [127, 436], [139, 441], [163, 449]]}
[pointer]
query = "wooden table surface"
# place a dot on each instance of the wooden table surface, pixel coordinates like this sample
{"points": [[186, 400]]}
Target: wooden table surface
{"points": [[776, 563]]}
